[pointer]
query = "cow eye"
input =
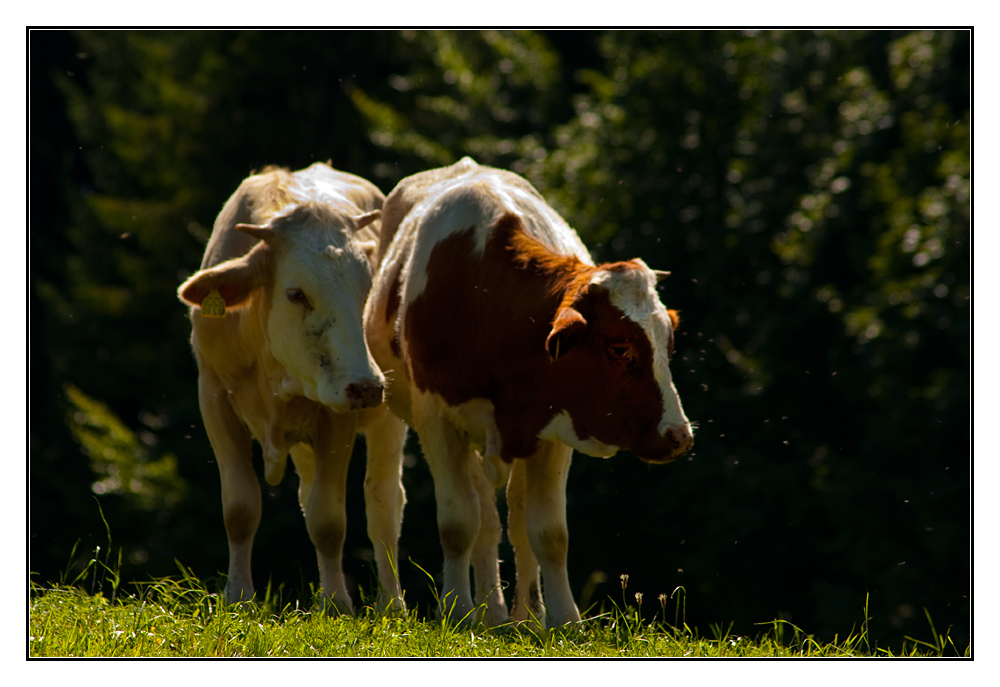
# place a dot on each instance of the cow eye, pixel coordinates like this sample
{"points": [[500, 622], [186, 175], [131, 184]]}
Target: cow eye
{"points": [[296, 296], [621, 352]]}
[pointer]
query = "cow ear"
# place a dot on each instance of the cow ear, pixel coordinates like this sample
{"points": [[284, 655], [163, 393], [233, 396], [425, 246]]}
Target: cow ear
{"points": [[675, 319], [234, 279], [568, 323], [660, 275], [366, 219]]}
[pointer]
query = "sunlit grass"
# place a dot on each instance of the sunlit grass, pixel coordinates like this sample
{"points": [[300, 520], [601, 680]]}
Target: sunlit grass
{"points": [[179, 617]]}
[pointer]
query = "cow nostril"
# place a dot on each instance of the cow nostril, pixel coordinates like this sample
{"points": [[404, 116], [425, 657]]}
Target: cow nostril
{"points": [[681, 436], [364, 394]]}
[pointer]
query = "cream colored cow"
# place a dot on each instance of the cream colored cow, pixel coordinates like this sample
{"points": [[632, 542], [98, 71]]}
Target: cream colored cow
{"points": [[276, 315]]}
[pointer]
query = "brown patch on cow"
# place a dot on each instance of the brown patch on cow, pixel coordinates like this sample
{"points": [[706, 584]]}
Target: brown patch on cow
{"points": [[480, 327], [568, 275], [478, 331]]}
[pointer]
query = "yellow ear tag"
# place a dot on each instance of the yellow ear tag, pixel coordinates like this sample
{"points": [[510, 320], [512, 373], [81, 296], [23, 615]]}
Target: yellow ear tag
{"points": [[213, 305]]}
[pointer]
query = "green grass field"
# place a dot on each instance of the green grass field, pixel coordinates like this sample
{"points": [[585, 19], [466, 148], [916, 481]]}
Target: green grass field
{"points": [[179, 617]]}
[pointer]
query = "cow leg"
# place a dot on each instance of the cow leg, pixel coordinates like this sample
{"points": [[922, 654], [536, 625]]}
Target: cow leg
{"points": [[326, 513], [241, 503], [385, 435], [528, 604], [485, 562], [450, 460], [546, 474]]}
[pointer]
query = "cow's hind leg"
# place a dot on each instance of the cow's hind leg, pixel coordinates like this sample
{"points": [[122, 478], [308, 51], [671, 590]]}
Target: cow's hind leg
{"points": [[326, 512], [385, 435], [546, 475], [241, 503]]}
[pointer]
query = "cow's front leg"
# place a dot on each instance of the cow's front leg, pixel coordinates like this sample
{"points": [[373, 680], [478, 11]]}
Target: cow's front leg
{"points": [[326, 513], [528, 604], [385, 435], [449, 457], [485, 560], [546, 475], [241, 503]]}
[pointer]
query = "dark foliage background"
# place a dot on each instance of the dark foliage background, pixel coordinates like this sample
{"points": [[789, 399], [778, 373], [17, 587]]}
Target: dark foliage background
{"points": [[810, 191]]}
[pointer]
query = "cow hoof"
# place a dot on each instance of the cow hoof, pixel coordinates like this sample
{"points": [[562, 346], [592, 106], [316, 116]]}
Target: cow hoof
{"points": [[238, 596], [457, 614], [494, 619], [332, 606], [395, 606]]}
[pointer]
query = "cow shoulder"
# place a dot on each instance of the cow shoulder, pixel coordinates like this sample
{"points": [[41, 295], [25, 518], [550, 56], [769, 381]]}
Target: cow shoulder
{"points": [[412, 190]]}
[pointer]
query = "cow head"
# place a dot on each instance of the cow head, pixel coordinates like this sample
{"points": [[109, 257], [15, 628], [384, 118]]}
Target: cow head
{"points": [[314, 277], [612, 339]]}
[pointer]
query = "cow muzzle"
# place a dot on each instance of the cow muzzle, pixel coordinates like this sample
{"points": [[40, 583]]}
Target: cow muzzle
{"points": [[365, 394], [357, 395], [676, 441]]}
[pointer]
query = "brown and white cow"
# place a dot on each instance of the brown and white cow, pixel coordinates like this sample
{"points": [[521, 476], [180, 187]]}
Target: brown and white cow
{"points": [[498, 334], [284, 361]]}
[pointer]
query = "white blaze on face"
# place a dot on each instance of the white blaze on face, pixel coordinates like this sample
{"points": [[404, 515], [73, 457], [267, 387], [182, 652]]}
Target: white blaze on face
{"points": [[318, 337], [634, 293]]}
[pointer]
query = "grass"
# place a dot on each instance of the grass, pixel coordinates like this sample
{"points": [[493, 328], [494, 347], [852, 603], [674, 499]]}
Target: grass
{"points": [[179, 617]]}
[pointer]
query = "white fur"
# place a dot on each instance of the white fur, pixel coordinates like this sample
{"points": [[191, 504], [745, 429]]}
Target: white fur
{"points": [[536, 527], [258, 366], [560, 428], [634, 293], [336, 287]]}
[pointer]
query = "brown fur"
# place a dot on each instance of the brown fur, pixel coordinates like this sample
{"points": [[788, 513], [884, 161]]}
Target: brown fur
{"points": [[480, 327]]}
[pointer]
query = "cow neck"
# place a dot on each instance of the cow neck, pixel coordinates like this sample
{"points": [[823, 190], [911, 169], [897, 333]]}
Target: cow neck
{"points": [[550, 282]]}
